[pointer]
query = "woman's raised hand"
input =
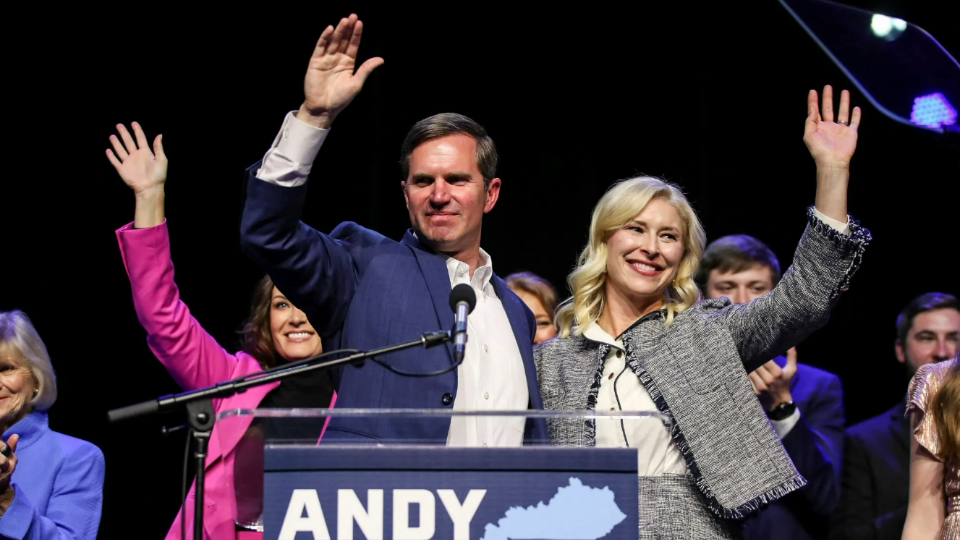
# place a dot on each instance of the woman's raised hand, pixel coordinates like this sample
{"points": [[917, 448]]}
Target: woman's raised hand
{"points": [[141, 169], [144, 171], [831, 142], [331, 84]]}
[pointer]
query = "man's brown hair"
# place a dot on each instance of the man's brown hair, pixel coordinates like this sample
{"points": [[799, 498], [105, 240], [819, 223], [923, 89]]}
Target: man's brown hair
{"points": [[446, 124]]}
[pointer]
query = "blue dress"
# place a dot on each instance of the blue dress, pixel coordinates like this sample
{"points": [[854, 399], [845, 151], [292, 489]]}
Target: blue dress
{"points": [[58, 483]]}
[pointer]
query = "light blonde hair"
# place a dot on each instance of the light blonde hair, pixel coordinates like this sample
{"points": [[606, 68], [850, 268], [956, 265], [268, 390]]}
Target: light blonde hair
{"points": [[18, 335], [618, 206]]}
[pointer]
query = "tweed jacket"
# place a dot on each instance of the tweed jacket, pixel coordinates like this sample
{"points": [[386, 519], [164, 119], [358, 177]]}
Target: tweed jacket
{"points": [[696, 372]]}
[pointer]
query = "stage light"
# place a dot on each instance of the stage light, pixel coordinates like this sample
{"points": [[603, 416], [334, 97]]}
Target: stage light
{"points": [[933, 111], [888, 28]]}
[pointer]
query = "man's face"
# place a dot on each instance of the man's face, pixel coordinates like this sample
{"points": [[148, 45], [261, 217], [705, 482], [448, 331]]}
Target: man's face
{"points": [[740, 287], [445, 195], [932, 337]]}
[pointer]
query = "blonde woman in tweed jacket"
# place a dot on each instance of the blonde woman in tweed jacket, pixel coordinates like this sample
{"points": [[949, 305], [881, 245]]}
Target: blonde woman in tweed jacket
{"points": [[722, 460]]}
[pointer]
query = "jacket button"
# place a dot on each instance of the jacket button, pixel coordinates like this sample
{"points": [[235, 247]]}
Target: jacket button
{"points": [[447, 398], [619, 353]]}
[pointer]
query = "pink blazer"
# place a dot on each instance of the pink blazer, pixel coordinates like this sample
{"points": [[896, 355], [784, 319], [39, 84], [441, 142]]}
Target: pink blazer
{"points": [[195, 360]]}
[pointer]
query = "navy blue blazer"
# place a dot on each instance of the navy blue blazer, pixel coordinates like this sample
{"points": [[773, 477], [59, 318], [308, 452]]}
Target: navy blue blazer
{"points": [[361, 290], [815, 445], [876, 478]]}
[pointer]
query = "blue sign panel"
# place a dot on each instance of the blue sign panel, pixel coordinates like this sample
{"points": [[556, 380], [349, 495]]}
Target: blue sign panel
{"points": [[450, 493]]}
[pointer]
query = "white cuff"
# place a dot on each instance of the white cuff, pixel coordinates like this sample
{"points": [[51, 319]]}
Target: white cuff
{"points": [[783, 427], [842, 228], [290, 158]]}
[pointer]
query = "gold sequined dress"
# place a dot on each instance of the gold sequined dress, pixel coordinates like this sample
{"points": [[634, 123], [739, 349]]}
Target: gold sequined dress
{"points": [[923, 388]]}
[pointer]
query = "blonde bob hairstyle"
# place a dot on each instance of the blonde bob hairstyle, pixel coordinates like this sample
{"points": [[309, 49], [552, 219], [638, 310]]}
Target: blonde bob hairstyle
{"points": [[618, 206], [18, 336]]}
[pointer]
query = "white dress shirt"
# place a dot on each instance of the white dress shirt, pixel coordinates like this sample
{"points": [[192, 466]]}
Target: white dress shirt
{"points": [[620, 390], [492, 375]]}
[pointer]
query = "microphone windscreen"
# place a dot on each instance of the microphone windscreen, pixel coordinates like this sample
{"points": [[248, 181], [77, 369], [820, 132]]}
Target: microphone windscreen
{"points": [[463, 293]]}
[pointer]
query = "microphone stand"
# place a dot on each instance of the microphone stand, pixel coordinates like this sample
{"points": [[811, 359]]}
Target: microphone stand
{"points": [[199, 404]]}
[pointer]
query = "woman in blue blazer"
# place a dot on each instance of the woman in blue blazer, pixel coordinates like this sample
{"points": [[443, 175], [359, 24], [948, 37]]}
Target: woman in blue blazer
{"points": [[51, 485]]}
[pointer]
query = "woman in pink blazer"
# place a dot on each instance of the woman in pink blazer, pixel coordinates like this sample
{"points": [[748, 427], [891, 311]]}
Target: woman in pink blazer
{"points": [[276, 331]]}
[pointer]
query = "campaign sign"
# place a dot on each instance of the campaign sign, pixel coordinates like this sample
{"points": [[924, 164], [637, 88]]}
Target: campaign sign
{"points": [[403, 493]]}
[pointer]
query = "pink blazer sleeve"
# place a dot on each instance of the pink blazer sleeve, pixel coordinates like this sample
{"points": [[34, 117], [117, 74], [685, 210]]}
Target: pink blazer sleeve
{"points": [[189, 353]]}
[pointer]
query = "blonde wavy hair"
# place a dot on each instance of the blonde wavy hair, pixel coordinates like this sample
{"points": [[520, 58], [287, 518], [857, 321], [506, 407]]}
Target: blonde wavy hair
{"points": [[618, 206]]}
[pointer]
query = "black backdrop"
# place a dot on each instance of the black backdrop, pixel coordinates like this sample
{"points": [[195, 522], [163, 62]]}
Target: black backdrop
{"points": [[710, 98]]}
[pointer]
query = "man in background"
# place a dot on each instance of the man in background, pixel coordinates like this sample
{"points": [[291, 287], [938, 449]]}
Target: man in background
{"points": [[876, 462], [805, 404]]}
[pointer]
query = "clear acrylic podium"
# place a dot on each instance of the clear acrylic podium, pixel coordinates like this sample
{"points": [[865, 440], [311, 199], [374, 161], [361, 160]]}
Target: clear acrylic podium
{"points": [[301, 474]]}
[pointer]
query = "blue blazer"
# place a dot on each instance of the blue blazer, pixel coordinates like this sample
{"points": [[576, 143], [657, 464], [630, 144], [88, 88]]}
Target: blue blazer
{"points": [[58, 483], [815, 445], [361, 290]]}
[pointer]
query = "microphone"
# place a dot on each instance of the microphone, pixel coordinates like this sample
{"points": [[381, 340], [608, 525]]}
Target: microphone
{"points": [[462, 302]]}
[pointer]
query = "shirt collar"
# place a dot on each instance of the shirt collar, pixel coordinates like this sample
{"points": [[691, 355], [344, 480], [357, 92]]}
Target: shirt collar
{"points": [[595, 333], [459, 271], [29, 428]]}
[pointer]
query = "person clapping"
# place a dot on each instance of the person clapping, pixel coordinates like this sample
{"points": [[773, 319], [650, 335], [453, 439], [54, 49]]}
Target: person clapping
{"points": [[51, 484]]}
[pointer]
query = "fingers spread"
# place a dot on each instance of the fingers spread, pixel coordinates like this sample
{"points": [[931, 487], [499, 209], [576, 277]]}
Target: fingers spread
{"points": [[774, 369], [12, 441], [855, 119], [354, 44], [827, 103], [127, 139], [158, 147], [843, 115], [113, 160], [347, 34], [141, 138], [324, 41], [118, 148], [337, 37], [367, 67]]}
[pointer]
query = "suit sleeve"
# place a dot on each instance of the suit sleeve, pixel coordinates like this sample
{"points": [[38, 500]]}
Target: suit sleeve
{"points": [[823, 265], [315, 271], [854, 517], [191, 355], [73, 511], [815, 445]]}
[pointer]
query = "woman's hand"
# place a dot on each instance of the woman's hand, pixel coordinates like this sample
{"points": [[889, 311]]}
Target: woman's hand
{"points": [[144, 171], [832, 144], [7, 467]]}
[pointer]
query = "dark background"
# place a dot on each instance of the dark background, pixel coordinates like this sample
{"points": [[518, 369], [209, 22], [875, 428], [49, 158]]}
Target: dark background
{"points": [[710, 98]]}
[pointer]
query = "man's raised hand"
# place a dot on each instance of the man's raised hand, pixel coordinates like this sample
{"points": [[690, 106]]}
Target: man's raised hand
{"points": [[331, 84]]}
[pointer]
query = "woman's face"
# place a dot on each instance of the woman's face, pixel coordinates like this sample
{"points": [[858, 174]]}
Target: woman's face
{"points": [[644, 256], [545, 328], [293, 337], [16, 388]]}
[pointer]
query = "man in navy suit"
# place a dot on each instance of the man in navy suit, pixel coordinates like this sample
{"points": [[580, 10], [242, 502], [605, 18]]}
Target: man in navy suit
{"points": [[361, 290], [805, 404], [876, 458]]}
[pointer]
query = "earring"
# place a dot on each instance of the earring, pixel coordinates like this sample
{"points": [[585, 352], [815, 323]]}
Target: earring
{"points": [[36, 392]]}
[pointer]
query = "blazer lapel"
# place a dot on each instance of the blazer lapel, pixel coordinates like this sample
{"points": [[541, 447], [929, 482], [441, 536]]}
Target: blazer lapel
{"points": [[514, 308], [434, 270], [900, 426]]}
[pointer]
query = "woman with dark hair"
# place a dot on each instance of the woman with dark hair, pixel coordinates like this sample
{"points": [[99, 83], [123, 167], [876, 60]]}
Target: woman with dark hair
{"points": [[540, 296], [934, 408], [276, 331], [636, 337]]}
